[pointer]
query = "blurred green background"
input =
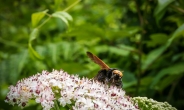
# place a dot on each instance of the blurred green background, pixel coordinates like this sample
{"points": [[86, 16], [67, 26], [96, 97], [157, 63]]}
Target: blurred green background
{"points": [[143, 38]]}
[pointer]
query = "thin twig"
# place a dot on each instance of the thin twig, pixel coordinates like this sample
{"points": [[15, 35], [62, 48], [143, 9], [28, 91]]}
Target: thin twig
{"points": [[172, 89], [66, 9], [139, 13], [44, 22], [177, 8]]}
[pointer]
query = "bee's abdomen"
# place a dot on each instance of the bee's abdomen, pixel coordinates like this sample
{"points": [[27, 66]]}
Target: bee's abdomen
{"points": [[101, 76]]}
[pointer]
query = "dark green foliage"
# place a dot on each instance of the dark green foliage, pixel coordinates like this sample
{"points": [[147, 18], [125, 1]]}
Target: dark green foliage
{"points": [[143, 38]]}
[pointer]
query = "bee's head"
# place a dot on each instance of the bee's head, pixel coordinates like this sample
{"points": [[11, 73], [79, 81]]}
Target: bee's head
{"points": [[117, 72]]}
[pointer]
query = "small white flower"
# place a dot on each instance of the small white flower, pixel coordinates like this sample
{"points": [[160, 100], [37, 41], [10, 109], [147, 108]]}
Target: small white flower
{"points": [[81, 94]]}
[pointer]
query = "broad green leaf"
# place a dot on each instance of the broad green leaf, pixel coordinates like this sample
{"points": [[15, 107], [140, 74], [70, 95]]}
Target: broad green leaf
{"points": [[128, 48], [33, 53], [152, 56], [22, 60], [118, 51], [64, 16], [36, 17], [101, 48], [177, 33], [160, 9], [165, 82], [145, 81], [69, 51], [157, 39], [112, 18], [33, 34], [175, 19], [129, 31], [172, 70], [162, 4], [87, 34], [116, 34], [159, 16], [129, 79], [12, 67]]}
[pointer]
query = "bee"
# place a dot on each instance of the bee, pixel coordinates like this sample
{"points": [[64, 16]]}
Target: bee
{"points": [[106, 75]]}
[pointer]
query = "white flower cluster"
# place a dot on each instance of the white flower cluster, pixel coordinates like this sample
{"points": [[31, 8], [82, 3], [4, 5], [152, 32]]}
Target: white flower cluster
{"points": [[81, 94]]}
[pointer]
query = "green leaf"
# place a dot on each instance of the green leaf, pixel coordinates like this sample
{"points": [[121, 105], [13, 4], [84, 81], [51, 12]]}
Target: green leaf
{"points": [[172, 70], [33, 52], [129, 79], [166, 81], [128, 48], [87, 34], [152, 56], [36, 17], [101, 48], [53, 50], [129, 31], [160, 9], [176, 34], [118, 51], [157, 39], [66, 50], [33, 36], [162, 4], [64, 16], [12, 67], [23, 58], [159, 16]]}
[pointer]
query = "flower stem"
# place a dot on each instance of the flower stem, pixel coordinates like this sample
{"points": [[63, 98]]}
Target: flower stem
{"points": [[69, 106], [56, 105]]}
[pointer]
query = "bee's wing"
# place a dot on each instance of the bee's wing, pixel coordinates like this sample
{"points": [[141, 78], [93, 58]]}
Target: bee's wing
{"points": [[97, 61]]}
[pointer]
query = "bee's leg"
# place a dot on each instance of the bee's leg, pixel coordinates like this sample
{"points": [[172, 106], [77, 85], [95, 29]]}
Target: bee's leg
{"points": [[106, 81], [112, 78], [118, 83]]}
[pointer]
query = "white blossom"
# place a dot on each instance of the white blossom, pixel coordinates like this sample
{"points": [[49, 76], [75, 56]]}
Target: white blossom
{"points": [[80, 93]]}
